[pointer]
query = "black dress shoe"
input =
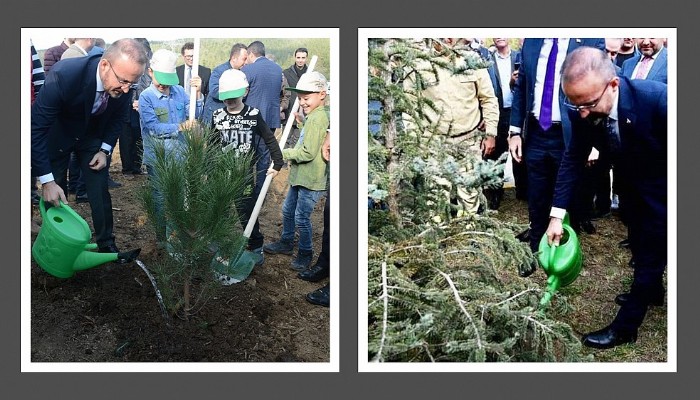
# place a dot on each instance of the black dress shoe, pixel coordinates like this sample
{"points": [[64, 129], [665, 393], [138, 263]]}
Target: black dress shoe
{"points": [[588, 227], [81, 198], [608, 338], [524, 236], [314, 273], [113, 184], [625, 243], [622, 299], [320, 297], [526, 270]]}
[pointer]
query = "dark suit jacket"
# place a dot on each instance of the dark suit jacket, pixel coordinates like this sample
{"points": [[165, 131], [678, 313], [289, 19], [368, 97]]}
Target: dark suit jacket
{"points": [[658, 71], [265, 80], [642, 120], [203, 72], [524, 88], [496, 77], [62, 113]]}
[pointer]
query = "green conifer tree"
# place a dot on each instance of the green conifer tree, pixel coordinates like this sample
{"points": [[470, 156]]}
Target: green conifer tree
{"points": [[443, 289], [200, 188]]}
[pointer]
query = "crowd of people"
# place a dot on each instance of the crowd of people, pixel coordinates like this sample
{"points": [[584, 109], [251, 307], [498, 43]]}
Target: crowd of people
{"points": [[569, 111], [90, 96]]}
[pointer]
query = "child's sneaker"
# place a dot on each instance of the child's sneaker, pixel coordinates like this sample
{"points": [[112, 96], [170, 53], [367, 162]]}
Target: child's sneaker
{"points": [[259, 256], [280, 247], [303, 260]]}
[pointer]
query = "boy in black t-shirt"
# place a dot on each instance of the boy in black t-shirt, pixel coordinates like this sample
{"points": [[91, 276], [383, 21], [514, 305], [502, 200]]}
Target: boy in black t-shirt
{"points": [[240, 127]]}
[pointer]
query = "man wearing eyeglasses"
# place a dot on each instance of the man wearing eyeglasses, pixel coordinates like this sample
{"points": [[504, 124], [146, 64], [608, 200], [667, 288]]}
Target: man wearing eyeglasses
{"points": [[540, 130], [81, 109], [184, 71], [628, 120]]}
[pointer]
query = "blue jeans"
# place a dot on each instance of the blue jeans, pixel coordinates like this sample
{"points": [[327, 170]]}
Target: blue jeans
{"points": [[158, 199], [296, 213]]}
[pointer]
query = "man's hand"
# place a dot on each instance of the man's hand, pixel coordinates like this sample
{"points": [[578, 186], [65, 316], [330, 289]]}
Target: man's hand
{"points": [[488, 144], [515, 146], [99, 161], [52, 193], [554, 231]]}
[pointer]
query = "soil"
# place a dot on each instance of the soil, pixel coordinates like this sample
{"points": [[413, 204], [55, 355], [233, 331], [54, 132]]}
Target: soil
{"points": [[110, 313], [605, 274]]}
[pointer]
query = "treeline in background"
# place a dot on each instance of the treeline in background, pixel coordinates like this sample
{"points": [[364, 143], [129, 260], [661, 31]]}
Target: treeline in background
{"points": [[215, 51]]}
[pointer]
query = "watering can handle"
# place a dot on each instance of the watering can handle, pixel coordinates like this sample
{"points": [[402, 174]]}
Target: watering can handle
{"points": [[552, 251], [42, 207]]}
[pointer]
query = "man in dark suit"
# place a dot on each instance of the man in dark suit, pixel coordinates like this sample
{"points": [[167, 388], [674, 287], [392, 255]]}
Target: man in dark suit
{"points": [[651, 63], [503, 77], [265, 80], [185, 69], [537, 114], [627, 119], [81, 109]]}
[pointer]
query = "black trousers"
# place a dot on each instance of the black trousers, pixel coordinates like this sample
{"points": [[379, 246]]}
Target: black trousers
{"points": [[648, 243], [543, 151], [131, 148], [95, 185]]}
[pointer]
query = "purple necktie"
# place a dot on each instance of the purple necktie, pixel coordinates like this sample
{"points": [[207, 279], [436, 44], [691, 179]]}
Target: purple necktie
{"points": [[548, 90], [104, 98]]}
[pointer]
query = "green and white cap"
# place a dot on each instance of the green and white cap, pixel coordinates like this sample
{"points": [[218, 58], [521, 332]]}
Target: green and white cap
{"points": [[310, 82], [163, 66], [232, 84]]}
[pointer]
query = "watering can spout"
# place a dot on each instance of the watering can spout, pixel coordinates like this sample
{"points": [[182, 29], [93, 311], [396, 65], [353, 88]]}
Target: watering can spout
{"points": [[90, 259]]}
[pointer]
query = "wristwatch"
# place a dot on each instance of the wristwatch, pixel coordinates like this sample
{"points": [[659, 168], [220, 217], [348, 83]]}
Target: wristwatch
{"points": [[107, 152], [511, 134]]}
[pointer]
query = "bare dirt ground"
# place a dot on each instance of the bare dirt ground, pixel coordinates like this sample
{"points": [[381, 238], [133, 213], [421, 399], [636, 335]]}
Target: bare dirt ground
{"points": [[110, 313]]}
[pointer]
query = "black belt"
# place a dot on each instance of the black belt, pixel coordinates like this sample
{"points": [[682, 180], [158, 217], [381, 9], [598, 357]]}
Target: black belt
{"points": [[554, 123]]}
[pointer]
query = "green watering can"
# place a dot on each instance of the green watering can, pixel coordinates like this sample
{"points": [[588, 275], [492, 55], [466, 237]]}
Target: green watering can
{"points": [[561, 263], [62, 246]]}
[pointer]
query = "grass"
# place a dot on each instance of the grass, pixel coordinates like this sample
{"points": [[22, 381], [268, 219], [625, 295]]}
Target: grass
{"points": [[590, 298]]}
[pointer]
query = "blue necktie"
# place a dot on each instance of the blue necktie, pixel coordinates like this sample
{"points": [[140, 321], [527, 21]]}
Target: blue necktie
{"points": [[548, 89]]}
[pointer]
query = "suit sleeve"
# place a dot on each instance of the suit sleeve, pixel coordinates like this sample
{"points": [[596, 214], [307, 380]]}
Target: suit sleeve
{"points": [[213, 89], [518, 105], [573, 161], [44, 114]]}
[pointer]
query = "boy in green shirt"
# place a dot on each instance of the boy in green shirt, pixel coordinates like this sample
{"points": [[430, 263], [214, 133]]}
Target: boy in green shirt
{"points": [[308, 171]]}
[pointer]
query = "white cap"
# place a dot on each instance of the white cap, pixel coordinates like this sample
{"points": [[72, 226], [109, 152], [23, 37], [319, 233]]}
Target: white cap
{"points": [[163, 66], [311, 82], [232, 84]]}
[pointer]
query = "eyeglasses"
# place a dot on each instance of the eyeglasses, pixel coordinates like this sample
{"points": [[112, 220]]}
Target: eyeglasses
{"points": [[188, 56], [122, 82], [589, 105]]}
